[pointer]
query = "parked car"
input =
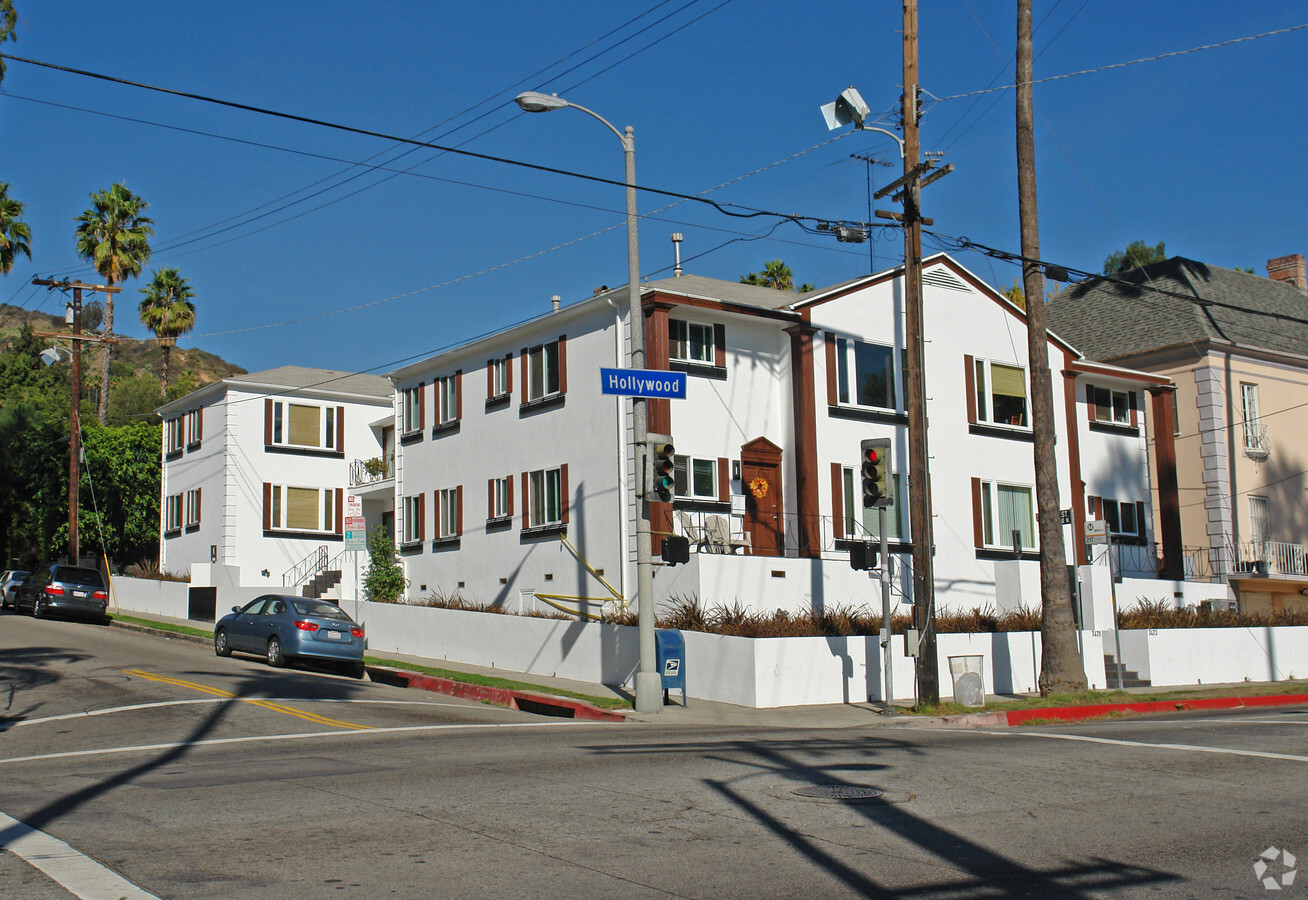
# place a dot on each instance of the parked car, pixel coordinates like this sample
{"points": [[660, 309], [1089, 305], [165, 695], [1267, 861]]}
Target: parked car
{"points": [[9, 580], [57, 588], [281, 628]]}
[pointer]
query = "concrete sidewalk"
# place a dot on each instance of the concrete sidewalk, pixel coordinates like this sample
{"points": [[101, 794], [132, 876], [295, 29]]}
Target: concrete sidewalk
{"points": [[706, 713]]}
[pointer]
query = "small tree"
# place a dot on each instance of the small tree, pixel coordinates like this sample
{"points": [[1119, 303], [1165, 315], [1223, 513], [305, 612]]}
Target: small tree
{"points": [[1136, 254], [384, 580]]}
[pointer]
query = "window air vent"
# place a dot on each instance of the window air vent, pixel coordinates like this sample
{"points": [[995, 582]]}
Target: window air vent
{"points": [[943, 279]]}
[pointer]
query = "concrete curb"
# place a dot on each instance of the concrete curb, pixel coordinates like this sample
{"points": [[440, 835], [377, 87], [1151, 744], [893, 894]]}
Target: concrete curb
{"points": [[163, 632], [1014, 717], [527, 701]]}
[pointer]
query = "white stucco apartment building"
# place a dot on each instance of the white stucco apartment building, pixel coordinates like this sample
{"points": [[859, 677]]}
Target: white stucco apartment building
{"points": [[506, 446], [256, 468]]}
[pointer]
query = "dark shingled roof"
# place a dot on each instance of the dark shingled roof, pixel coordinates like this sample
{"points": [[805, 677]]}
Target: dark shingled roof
{"points": [[1108, 320]]}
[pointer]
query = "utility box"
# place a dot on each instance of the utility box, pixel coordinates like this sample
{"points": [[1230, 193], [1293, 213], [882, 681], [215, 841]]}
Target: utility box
{"points": [[968, 673], [670, 651]]}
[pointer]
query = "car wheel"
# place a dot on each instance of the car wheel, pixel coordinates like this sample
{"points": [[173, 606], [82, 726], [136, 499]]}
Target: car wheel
{"points": [[356, 670], [220, 645], [275, 657]]}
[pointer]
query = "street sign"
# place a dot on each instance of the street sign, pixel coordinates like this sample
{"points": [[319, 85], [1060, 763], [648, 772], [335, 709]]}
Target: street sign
{"points": [[1067, 516], [643, 383], [356, 529], [1096, 531]]}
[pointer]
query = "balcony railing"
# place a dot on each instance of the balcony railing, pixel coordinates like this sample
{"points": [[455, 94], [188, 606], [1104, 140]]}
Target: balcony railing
{"points": [[1271, 558], [370, 471], [1257, 445]]}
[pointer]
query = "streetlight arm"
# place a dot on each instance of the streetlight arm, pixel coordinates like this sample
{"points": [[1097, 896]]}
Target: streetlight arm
{"points": [[535, 101]]}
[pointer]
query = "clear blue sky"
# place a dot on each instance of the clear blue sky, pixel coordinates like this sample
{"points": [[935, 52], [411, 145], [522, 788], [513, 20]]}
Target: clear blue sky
{"points": [[1201, 150]]}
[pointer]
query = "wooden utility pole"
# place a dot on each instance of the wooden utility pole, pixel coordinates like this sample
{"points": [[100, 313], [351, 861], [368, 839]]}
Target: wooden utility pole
{"points": [[74, 426], [1061, 668], [919, 479]]}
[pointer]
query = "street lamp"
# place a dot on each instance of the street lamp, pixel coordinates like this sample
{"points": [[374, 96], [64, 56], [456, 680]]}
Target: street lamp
{"points": [[649, 692], [50, 356]]}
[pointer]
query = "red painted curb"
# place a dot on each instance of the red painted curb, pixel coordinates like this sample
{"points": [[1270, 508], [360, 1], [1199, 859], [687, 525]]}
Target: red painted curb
{"points": [[1092, 711], [527, 701]]}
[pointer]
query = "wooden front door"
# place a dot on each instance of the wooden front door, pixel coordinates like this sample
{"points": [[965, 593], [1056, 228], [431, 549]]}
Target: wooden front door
{"points": [[760, 466]]}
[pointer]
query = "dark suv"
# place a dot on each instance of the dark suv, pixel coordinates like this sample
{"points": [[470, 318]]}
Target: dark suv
{"points": [[58, 588]]}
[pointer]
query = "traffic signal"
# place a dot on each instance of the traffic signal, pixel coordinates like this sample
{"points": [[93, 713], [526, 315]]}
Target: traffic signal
{"points": [[662, 465], [676, 549], [875, 456], [863, 555]]}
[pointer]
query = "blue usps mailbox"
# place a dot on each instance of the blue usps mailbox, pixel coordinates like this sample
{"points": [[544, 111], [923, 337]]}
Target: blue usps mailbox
{"points": [[670, 649]]}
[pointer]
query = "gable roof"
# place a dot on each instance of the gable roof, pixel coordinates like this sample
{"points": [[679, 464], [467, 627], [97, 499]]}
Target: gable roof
{"points": [[327, 380], [1178, 301], [716, 289]]}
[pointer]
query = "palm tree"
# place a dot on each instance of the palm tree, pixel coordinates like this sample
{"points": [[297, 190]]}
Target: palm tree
{"points": [[15, 236], [775, 274], [8, 22], [114, 236], [167, 310]]}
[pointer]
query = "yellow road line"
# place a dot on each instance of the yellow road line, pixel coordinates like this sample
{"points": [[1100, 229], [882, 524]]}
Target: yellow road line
{"points": [[265, 704]]}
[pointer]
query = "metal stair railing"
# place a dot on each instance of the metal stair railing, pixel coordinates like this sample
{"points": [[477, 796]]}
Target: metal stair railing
{"points": [[306, 568]]}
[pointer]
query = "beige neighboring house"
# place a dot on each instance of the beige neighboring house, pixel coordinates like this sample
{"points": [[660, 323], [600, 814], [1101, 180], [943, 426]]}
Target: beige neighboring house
{"points": [[1236, 347]]}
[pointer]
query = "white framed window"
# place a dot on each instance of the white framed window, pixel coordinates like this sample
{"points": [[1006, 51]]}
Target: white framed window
{"points": [[193, 427], [544, 498], [173, 436], [448, 407], [497, 378], [411, 414], [193, 507], [1250, 411], [543, 379], [173, 513], [1005, 509], [695, 478], [1001, 394], [303, 425], [302, 509], [413, 508], [1122, 518], [865, 524], [691, 342], [500, 498], [1260, 529], [1112, 406], [865, 374], [449, 513]]}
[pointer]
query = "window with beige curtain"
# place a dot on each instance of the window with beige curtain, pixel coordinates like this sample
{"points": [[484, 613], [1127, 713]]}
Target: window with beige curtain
{"points": [[302, 508], [1008, 395], [305, 425]]}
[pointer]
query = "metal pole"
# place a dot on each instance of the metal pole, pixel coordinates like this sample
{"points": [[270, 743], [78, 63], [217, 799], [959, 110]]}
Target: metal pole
{"points": [[886, 635], [74, 433], [1117, 632], [649, 686]]}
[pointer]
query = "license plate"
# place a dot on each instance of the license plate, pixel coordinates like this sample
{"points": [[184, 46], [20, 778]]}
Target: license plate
{"points": [[333, 635], [79, 593]]}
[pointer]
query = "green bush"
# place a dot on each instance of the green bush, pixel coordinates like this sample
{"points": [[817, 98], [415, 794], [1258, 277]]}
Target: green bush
{"points": [[384, 580]]}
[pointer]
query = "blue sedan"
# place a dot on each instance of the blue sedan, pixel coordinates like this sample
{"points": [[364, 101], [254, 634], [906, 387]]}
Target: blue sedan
{"points": [[281, 628]]}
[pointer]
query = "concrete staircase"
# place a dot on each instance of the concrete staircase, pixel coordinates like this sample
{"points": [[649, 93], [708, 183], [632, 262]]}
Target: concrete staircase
{"points": [[321, 583], [1130, 677]]}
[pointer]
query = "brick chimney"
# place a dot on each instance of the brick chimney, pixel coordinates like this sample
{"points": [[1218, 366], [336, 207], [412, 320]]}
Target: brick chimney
{"points": [[1289, 269]]}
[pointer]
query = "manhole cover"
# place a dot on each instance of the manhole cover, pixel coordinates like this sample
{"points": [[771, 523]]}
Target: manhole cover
{"points": [[838, 792]]}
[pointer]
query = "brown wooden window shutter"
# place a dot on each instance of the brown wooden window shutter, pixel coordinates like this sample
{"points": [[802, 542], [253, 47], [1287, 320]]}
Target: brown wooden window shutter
{"points": [[267, 421], [458, 394], [526, 512], [563, 365], [1140, 518], [833, 389], [490, 378], [199, 424], [978, 532], [422, 517], [720, 345], [969, 372], [340, 428], [490, 497], [565, 500], [1090, 402], [458, 510], [198, 490], [508, 375], [724, 476], [838, 500], [508, 501], [422, 405], [523, 356], [340, 510], [1134, 420], [267, 506]]}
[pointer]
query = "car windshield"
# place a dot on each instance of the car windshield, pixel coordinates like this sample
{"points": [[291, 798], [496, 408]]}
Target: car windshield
{"points": [[77, 575], [321, 609]]}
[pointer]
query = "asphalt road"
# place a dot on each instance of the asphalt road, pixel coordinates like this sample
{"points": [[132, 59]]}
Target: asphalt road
{"points": [[167, 772]]}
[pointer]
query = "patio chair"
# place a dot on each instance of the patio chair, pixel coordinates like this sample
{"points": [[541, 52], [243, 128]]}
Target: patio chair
{"points": [[692, 531], [718, 535]]}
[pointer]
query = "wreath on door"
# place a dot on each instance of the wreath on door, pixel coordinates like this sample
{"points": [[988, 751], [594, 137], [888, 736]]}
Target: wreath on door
{"points": [[759, 488]]}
